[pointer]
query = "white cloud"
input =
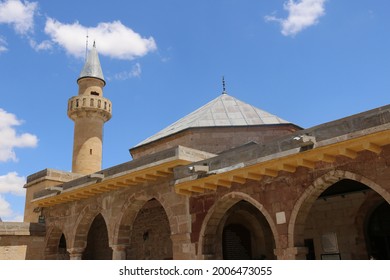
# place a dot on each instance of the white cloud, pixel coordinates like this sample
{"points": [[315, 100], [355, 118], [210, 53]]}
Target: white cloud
{"points": [[5, 208], [6, 212], [133, 73], [16, 217], [9, 139], [12, 183], [44, 45], [113, 39], [3, 44], [301, 14], [18, 14]]}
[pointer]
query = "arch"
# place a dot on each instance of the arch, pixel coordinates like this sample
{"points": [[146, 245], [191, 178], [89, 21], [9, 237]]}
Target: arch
{"points": [[151, 234], [63, 253], [216, 214], [250, 235], [98, 241], [52, 242], [362, 221], [83, 224], [378, 232], [303, 205], [130, 209]]}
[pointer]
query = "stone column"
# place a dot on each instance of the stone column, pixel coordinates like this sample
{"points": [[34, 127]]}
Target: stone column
{"points": [[182, 248], [119, 252], [292, 253], [75, 253]]}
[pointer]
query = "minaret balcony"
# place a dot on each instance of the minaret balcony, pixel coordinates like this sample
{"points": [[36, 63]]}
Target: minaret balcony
{"points": [[81, 106]]}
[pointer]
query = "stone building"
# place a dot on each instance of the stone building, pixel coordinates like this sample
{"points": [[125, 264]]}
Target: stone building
{"points": [[228, 181]]}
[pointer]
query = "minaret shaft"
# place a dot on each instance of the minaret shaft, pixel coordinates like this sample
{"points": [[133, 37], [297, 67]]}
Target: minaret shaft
{"points": [[87, 144]]}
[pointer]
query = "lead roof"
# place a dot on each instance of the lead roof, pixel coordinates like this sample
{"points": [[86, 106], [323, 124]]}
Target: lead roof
{"points": [[92, 67], [225, 110]]}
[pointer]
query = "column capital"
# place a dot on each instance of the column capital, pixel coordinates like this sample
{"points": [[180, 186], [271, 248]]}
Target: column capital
{"points": [[119, 251], [119, 247], [76, 253]]}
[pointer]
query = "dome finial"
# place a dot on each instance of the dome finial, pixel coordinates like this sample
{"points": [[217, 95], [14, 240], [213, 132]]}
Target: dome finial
{"points": [[223, 85]]}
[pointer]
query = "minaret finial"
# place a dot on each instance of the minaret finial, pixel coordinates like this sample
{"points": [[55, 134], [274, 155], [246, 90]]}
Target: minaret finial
{"points": [[223, 85], [86, 47], [92, 67]]}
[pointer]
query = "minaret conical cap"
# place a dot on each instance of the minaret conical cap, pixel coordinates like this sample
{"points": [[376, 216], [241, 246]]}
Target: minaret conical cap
{"points": [[92, 68]]}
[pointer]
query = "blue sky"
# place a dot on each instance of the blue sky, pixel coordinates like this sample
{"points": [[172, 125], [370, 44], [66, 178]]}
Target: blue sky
{"points": [[307, 61]]}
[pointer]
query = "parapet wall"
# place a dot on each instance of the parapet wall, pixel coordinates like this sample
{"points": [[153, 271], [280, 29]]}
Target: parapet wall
{"points": [[21, 241]]}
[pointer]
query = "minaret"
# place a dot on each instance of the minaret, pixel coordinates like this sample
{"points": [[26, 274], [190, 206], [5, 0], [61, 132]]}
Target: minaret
{"points": [[89, 110]]}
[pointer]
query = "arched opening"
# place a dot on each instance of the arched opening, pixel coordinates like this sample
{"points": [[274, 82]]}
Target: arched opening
{"points": [[97, 241], [330, 222], [243, 233], [236, 242], [151, 234], [56, 247], [378, 233], [242, 210], [62, 249]]}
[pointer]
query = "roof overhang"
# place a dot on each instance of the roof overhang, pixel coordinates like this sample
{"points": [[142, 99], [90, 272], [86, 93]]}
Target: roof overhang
{"points": [[347, 145], [130, 174]]}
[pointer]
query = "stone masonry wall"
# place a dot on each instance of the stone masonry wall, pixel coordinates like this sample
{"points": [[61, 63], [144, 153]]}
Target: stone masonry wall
{"points": [[215, 140], [193, 221], [337, 216], [21, 241], [293, 195], [151, 235], [153, 212]]}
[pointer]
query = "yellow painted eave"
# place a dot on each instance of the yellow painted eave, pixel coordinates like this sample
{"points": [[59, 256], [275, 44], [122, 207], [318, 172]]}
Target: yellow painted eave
{"points": [[287, 161], [131, 179]]}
